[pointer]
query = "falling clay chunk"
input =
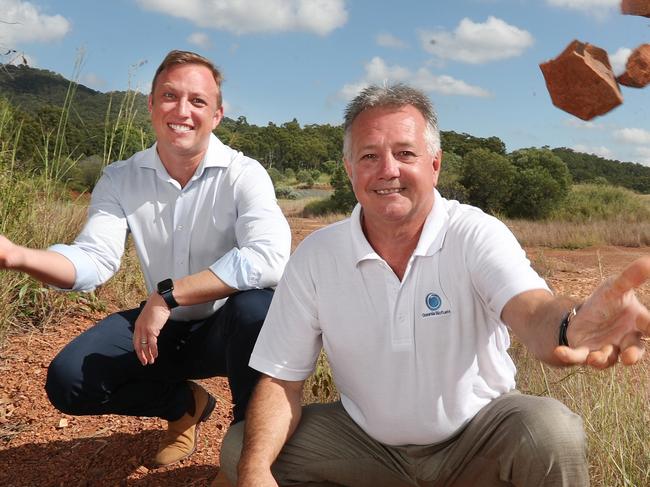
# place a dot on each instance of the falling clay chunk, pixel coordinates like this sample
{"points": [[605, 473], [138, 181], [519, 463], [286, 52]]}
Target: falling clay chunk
{"points": [[636, 7], [581, 82], [637, 70]]}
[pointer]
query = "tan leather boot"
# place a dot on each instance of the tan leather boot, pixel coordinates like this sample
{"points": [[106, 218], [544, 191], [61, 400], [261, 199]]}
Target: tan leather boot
{"points": [[181, 438]]}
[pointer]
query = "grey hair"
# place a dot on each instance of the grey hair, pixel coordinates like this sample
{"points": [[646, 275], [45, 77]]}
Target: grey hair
{"points": [[396, 95]]}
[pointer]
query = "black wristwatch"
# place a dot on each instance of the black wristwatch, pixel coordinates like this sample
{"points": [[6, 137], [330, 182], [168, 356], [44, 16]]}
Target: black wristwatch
{"points": [[165, 289]]}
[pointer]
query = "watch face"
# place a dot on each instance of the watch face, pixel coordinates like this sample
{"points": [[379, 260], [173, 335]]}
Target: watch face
{"points": [[165, 286]]}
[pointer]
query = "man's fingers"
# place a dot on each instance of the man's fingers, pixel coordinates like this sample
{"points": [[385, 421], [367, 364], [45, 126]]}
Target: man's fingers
{"points": [[633, 275], [571, 356], [632, 348], [643, 320], [139, 351], [153, 350], [603, 358], [145, 349]]}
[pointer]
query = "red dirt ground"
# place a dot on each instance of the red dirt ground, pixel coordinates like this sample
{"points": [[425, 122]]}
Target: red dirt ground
{"points": [[42, 447]]}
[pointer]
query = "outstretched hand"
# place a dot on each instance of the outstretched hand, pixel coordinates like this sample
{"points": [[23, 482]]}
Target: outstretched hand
{"points": [[8, 253], [611, 322]]}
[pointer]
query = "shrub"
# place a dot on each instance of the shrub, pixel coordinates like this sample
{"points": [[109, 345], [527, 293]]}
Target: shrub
{"points": [[343, 199], [319, 207], [540, 185], [286, 193], [304, 178], [329, 166], [587, 202], [275, 175], [488, 177]]}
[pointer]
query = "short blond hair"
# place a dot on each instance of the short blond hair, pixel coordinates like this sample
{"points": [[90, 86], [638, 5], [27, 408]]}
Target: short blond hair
{"points": [[175, 57]]}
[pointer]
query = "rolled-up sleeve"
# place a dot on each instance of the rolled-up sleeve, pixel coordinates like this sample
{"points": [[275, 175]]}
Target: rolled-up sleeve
{"points": [[262, 233], [97, 251]]}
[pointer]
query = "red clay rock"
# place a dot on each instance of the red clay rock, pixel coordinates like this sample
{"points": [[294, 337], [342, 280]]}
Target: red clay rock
{"points": [[636, 7], [637, 69], [581, 82]]}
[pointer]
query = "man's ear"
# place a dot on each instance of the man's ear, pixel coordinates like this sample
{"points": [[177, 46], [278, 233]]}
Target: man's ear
{"points": [[436, 166], [218, 117], [150, 102]]}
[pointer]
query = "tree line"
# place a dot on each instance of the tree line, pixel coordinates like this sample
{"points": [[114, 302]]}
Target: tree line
{"points": [[94, 128]]}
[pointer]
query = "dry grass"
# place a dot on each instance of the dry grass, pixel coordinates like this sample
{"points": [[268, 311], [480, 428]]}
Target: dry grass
{"points": [[614, 407], [294, 207], [575, 235]]}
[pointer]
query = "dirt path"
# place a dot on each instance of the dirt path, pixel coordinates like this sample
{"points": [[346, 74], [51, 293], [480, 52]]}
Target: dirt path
{"points": [[48, 448]]}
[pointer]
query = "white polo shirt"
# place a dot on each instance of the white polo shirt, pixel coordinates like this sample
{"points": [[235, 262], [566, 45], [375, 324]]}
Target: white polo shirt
{"points": [[414, 360]]}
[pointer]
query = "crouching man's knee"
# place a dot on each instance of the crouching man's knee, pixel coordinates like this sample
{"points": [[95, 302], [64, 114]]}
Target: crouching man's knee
{"points": [[554, 437], [231, 451], [59, 386]]}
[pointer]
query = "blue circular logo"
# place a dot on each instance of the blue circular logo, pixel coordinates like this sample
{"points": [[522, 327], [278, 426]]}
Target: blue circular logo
{"points": [[433, 301]]}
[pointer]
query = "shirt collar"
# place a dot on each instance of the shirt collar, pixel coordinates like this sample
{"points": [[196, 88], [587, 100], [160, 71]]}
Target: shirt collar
{"points": [[217, 155], [431, 239]]}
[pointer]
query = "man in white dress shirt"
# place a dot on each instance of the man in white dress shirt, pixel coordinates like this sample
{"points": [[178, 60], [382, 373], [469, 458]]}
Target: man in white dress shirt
{"points": [[412, 298], [211, 241]]}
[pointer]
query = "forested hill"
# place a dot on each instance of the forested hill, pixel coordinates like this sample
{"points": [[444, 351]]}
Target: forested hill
{"points": [[591, 168], [37, 97], [32, 90]]}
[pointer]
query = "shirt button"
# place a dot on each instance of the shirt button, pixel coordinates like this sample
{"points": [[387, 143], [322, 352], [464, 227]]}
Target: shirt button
{"points": [[179, 227]]}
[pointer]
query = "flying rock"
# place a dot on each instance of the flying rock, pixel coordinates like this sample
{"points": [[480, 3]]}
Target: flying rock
{"points": [[637, 69], [581, 82], [636, 7]]}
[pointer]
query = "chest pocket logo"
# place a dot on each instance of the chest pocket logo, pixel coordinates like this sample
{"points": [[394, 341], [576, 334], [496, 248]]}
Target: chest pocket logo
{"points": [[433, 301], [434, 305]]}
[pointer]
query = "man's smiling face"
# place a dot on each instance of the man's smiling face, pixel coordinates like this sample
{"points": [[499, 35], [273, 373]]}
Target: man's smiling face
{"points": [[390, 166], [183, 106]]}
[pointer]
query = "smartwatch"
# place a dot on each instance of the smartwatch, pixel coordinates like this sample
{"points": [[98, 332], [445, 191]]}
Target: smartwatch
{"points": [[165, 289]]}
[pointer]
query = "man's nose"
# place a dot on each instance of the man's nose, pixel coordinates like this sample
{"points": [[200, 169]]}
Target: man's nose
{"points": [[183, 107], [389, 168]]}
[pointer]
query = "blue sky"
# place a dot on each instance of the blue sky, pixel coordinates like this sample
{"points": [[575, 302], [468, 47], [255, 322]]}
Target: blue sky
{"points": [[305, 58]]}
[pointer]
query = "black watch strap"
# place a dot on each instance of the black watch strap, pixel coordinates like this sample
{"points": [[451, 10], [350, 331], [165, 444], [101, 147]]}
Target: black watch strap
{"points": [[166, 290], [564, 325]]}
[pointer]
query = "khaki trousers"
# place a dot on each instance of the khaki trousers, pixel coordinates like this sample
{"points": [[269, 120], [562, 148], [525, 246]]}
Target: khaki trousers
{"points": [[515, 440]]}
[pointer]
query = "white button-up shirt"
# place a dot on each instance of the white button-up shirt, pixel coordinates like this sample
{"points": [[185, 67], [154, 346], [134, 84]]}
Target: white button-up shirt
{"points": [[226, 218]]}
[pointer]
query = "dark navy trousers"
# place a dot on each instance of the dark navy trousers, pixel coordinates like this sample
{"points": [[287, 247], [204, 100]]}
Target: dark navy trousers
{"points": [[99, 373]]}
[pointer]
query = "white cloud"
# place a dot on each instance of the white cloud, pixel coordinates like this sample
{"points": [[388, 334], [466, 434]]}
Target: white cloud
{"points": [[643, 154], [23, 22], [581, 124], [93, 81], [200, 39], [618, 60], [378, 72], [389, 40], [250, 16], [601, 151], [632, 136], [595, 8], [477, 43]]}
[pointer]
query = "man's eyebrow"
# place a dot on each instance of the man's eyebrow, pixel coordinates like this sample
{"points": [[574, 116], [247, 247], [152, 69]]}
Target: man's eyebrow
{"points": [[170, 86]]}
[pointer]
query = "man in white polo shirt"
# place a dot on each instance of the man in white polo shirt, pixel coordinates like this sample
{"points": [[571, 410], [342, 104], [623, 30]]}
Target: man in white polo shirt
{"points": [[411, 299]]}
